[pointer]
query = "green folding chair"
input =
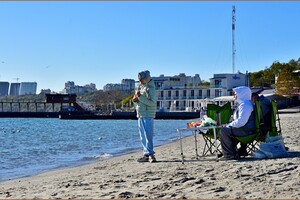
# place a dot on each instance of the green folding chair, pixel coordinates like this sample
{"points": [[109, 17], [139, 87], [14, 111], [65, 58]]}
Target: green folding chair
{"points": [[275, 130], [222, 115], [251, 140]]}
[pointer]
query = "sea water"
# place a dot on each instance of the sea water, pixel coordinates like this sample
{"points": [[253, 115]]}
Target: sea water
{"points": [[29, 146]]}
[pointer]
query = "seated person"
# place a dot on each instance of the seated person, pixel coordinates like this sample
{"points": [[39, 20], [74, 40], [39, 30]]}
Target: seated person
{"points": [[266, 108], [243, 122]]}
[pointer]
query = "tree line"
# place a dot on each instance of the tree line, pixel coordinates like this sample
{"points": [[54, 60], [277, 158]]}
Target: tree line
{"points": [[287, 80]]}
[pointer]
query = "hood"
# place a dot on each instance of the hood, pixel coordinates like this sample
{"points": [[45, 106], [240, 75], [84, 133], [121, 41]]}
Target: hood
{"points": [[243, 93], [151, 82], [145, 75]]}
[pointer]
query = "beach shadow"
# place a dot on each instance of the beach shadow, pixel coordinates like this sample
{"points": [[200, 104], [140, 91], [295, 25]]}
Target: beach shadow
{"points": [[291, 154], [191, 160], [168, 161]]}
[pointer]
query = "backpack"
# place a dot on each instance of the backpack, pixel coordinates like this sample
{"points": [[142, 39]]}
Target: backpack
{"points": [[266, 107]]}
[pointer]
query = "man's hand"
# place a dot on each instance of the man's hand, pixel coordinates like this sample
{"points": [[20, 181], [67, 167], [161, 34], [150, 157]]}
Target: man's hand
{"points": [[135, 98]]}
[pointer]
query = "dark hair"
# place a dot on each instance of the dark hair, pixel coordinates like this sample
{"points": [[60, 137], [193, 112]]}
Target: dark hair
{"points": [[254, 94], [254, 97]]}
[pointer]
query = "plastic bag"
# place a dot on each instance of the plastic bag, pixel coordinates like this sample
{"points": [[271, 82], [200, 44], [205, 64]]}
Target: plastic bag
{"points": [[208, 122], [272, 148]]}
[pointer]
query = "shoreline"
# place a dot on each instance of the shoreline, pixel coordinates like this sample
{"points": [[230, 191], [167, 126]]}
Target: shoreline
{"points": [[123, 177], [82, 163]]}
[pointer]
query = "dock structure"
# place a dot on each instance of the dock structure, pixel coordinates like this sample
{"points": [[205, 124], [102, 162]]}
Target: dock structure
{"points": [[23, 106], [52, 106], [64, 106]]}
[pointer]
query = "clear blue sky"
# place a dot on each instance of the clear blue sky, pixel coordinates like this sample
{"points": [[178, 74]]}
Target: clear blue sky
{"points": [[103, 42]]}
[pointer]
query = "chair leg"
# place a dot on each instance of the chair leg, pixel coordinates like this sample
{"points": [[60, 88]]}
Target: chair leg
{"points": [[209, 145], [251, 147]]}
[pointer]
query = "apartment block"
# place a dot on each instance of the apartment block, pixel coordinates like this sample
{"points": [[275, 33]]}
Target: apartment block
{"points": [[4, 86], [28, 88], [14, 89]]}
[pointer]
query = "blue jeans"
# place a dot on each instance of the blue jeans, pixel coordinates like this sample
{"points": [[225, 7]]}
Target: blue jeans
{"points": [[146, 134]]}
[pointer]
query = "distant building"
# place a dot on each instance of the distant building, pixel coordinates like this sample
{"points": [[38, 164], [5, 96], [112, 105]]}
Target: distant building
{"points": [[126, 85], [222, 84], [112, 86], [45, 91], [4, 88], [14, 89], [183, 92], [177, 81], [175, 92], [71, 88], [129, 84], [28, 88]]}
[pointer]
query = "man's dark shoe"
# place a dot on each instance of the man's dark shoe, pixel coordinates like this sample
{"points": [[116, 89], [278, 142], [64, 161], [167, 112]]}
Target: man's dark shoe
{"points": [[152, 159], [242, 152], [145, 158], [220, 155], [225, 158]]}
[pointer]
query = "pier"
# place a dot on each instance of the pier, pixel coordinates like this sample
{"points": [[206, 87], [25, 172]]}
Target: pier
{"points": [[52, 106]]}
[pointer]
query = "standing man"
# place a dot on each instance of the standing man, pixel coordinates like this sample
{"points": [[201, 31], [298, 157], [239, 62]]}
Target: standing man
{"points": [[145, 104], [242, 125]]}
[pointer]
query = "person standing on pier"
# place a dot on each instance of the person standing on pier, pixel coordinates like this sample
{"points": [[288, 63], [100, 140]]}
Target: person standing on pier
{"points": [[145, 105]]}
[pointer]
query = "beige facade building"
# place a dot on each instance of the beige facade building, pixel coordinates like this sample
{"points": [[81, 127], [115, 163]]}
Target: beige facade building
{"points": [[185, 93]]}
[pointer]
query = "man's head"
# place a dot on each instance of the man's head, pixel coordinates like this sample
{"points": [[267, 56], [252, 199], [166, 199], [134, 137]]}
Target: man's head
{"points": [[254, 97], [144, 76], [242, 93]]}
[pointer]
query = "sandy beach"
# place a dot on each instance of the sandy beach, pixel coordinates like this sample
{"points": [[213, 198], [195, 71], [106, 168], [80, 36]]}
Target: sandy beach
{"points": [[124, 177]]}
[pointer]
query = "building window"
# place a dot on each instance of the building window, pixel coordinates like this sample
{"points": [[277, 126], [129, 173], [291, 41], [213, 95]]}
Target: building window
{"points": [[177, 93], [161, 93], [218, 83], [169, 93], [174, 79], [218, 93], [184, 93], [192, 93], [208, 93], [200, 93]]}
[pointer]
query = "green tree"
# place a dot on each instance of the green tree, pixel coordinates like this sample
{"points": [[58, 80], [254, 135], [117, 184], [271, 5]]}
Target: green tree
{"points": [[287, 82], [266, 77], [204, 83], [256, 79]]}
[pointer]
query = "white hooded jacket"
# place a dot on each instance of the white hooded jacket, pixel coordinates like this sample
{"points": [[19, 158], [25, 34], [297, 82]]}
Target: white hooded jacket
{"points": [[245, 107]]}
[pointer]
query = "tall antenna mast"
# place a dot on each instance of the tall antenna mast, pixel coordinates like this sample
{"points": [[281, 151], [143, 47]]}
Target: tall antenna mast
{"points": [[233, 48]]}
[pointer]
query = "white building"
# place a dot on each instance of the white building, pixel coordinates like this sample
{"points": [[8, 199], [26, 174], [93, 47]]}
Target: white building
{"points": [[184, 93], [129, 84], [126, 85], [28, 88], [222, 84], [177, 81], [175, 92], [71, 88]]}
